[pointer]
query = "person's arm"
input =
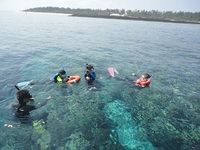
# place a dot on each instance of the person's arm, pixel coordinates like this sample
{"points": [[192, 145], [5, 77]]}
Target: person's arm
{"points": [[93, 75], [66, 79], [15, 105], [55, 78], [138, 81], [29, 108], [85, 75]]}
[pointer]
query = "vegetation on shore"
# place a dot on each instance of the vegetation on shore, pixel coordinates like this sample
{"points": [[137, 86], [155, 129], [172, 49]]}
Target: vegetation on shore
{"points": [[153, 15]]}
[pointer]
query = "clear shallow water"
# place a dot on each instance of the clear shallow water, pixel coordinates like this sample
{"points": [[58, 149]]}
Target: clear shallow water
{"points": [[117, 115]]}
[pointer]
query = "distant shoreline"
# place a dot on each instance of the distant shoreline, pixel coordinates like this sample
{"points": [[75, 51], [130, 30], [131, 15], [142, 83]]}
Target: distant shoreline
{"points": [[136, 19], [154, 16]]}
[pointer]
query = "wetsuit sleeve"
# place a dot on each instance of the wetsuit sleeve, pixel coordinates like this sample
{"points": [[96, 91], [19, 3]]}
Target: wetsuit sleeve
{"points": [[30, 107], [93, 75], [55, 78], [24, 110]]}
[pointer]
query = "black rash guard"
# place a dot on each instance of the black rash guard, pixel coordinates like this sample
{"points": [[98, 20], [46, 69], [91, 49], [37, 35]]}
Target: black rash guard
{"points": [[23, 111]]}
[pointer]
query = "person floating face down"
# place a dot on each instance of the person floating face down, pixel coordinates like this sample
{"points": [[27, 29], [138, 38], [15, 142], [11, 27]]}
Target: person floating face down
{"points": [[61, 77], [144, 80], [90, 74]]}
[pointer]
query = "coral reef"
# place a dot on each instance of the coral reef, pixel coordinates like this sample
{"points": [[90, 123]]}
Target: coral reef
{"points": [[126, 131]]}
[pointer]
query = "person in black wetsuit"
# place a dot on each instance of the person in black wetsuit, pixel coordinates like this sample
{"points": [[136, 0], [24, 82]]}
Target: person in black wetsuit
{"points": [[23, 108]]}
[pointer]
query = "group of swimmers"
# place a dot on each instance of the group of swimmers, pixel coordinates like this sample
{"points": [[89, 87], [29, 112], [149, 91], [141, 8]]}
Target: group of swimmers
{"points": [[25, 99], [89, 75]]}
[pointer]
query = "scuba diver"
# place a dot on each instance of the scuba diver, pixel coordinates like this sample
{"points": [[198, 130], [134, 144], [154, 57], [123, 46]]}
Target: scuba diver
{"points": [[61, 76], [143, 81], [25, 105], [90, 74]]}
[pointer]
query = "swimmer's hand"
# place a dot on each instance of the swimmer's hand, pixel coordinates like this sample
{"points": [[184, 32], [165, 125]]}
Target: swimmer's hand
{"points": [[87, 78]]}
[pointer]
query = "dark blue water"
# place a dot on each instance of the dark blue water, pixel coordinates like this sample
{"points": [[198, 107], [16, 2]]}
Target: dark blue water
{"points": [[117, 115]]}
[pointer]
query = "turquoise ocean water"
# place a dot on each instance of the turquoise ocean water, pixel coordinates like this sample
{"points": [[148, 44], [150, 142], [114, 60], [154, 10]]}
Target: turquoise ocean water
{"points": [[117, 115]]}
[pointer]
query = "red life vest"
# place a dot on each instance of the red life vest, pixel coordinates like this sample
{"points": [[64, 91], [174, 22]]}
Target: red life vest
{"points": [[143, 83]]}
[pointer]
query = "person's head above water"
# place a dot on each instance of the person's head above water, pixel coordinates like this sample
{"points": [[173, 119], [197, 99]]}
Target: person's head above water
{"points": [[146, 76], [62, 73], [23, 96], [89, 67]]}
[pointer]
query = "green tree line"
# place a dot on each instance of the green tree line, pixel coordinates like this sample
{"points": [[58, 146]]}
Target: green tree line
{"points": [[142, 14]]}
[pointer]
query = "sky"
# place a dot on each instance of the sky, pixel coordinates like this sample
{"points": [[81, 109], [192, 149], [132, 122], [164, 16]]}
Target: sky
{"points": [[161, 5]]}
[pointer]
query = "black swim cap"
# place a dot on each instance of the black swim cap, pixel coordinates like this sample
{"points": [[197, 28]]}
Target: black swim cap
{"points": [[62, 72], [146, 76]]}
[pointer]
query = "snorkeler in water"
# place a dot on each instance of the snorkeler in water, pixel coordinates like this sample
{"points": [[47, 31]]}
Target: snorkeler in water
{"points": [[26, 104], [61, 76], [143, 81], [90, 74]]}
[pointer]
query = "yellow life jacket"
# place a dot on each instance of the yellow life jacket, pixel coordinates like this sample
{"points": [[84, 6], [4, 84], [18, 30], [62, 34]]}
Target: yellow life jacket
{"points": [[59, 79]]}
